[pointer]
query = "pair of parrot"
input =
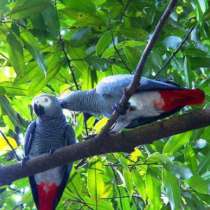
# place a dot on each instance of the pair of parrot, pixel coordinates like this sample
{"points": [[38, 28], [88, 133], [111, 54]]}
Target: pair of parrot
{"points": [[152, 101]]}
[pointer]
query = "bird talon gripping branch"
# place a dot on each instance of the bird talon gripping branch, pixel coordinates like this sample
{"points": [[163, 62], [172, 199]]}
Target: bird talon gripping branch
{"points": [[120, 108], [52, 150], [24, 160]]}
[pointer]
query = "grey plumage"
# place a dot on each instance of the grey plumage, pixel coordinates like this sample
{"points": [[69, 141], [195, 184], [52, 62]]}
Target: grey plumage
{"points": [[108, 92], [47, 133]]}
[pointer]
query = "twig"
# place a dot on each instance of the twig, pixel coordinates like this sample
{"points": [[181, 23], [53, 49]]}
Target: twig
{"points": [[68, 61], [10, 145], [139, 69], [66, 55], [136, 164], [118, 53], [175, 52], [70, 67], [124, 196]]}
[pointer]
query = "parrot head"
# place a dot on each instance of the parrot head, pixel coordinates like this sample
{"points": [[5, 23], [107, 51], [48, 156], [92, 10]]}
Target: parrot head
{"points": [[46, 106]]}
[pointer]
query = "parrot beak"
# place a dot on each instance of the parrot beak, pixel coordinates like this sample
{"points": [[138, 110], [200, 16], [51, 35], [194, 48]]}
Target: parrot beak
{"points": [[63, 104], [38, 109]]}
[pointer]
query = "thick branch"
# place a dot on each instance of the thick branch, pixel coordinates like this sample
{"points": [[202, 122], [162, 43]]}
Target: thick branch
{"points": [[140, 66], [122, 142]]}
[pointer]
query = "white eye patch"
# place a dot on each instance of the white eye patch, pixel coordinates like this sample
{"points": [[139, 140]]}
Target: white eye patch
{"points": [[43, 101]]}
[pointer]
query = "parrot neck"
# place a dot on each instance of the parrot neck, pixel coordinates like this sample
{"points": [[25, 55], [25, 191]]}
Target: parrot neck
{"points": [[84, 101], [58, 120]]}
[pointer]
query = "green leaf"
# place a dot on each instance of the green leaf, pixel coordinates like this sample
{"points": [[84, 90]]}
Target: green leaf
{"points": [[197, 62], [153, 191], [95, 181], [190, 158], [199, 184], [9, 89], [81, 36], [4, 7], [75, 55], [32, 45], [100, 205], [8, 110], [204, 164], [103, 43], [40, 81], [132, 55], [128, 180], [81, 6], [51, 21], [172, 189], [16, 52], [139, 183], [25, 8], [176, 142]]}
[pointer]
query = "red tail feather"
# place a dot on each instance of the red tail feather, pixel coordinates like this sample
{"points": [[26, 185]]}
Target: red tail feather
{"points": [[47, 193], [179, 98]]}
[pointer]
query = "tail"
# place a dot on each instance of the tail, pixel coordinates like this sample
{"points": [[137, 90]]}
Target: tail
{"points": [[179, 98], [46, 196]]}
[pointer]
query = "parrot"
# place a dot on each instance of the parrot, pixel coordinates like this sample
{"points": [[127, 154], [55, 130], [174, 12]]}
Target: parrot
{"points": [[44, 135], [153, 100]]}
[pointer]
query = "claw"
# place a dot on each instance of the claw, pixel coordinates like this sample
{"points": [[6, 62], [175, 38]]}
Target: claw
{"points": [[121, 109], [24, 160], [51, 151]]}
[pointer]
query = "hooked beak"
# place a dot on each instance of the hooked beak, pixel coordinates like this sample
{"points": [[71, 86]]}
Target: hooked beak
{"points": [[38, 109], [62, 103]]}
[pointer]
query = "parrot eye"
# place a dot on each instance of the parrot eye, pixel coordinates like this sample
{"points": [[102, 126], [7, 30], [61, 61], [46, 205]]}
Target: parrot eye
{"points": [[45, 99]]}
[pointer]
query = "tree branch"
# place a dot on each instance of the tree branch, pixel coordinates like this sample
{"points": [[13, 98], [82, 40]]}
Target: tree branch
{"points": [[140, 66], [121, 142]]}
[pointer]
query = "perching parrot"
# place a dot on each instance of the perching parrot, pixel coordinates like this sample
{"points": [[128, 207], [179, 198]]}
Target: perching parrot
{"points": [[153, 100], [44, 135]]}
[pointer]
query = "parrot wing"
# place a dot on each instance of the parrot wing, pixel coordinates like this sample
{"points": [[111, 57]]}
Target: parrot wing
{"points": [[28, 141], [28, 137], [150, 84], [69, 139], [113, 86]]}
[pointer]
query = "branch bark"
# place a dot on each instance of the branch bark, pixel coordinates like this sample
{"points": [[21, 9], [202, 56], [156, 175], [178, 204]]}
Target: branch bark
{"points": [[121, 142], [129, 91]]}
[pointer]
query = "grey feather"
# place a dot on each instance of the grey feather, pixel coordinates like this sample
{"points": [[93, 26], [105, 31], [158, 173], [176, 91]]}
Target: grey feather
{"points": [[48, 132], [108, 92]]}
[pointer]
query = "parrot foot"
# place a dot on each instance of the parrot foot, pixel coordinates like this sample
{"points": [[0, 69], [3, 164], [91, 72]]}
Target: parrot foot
{"points": [[24, 160], [51, 151], [121, 109]]}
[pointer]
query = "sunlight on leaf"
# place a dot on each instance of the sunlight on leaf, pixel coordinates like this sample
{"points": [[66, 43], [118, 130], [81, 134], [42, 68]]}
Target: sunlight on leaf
{"points": [[134, 156], [4, 147], [100, 124]]}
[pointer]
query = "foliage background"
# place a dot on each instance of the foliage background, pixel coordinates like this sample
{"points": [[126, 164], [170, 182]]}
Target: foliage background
{"points": [[42, 42]]}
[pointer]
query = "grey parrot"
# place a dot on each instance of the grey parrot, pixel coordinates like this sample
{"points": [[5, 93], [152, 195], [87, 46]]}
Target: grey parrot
{"points": [[44, 135], [153, 100]]}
